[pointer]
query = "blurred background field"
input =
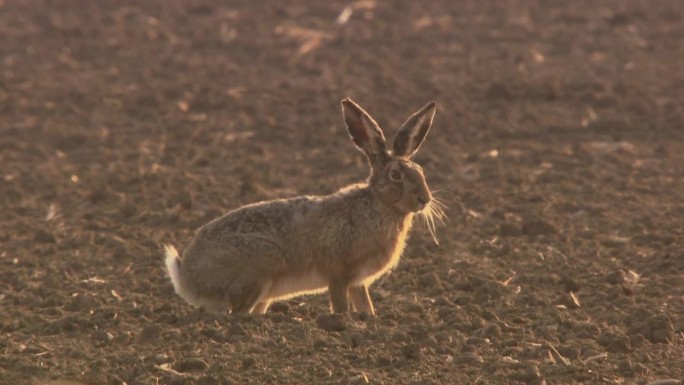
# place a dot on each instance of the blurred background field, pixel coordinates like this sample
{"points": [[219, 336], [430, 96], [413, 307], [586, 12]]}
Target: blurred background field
{"points": [[558, 146]]}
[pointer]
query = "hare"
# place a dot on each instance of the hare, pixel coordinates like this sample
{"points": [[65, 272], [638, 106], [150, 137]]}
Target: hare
{"points": [[342, 242]]}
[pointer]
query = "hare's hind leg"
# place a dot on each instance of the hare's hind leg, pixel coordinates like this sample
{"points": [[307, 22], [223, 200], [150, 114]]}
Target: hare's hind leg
{"points": [[263, 303], [251, 296], [247, 299], [261, 307], [361, 299], [236, 267]]}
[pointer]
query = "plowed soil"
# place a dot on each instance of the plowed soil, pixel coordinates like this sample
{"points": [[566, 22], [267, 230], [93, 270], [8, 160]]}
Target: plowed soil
{"points": [[558, 146]]}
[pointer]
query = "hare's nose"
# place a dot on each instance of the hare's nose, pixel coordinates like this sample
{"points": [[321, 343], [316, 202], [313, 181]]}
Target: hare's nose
{"points": [[422, 202]]}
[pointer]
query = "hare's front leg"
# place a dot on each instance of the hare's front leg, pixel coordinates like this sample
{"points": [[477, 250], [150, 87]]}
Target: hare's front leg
{"points": [[361, 299], [339, 297]]}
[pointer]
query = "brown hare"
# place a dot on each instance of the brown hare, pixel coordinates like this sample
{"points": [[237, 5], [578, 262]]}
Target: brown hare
{"points": [[341, 242]]}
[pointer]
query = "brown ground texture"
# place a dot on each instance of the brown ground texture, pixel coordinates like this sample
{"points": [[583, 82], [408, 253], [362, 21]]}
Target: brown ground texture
{"points": [[558, 146]]}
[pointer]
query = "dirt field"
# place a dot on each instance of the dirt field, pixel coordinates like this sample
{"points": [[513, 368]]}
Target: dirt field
{"points": [[558, 146]]}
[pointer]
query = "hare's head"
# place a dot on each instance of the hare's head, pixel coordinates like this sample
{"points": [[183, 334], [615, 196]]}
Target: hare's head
{"points": [[395, 179]]}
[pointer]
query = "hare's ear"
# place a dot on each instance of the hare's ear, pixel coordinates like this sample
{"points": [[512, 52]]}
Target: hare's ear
{"points": [[364, 131], [413, 131]]}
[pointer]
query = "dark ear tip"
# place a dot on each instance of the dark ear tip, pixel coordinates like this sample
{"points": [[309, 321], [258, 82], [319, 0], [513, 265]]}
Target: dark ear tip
{"points": [[432, 104], [347, 101]]}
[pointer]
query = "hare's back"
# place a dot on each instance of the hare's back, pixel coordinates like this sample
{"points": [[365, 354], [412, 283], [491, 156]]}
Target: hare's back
{"points": [[268, 216], [256, 230]]}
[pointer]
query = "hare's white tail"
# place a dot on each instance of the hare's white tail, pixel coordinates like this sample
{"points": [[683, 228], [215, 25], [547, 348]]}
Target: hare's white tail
{"points": [[173, 262]]}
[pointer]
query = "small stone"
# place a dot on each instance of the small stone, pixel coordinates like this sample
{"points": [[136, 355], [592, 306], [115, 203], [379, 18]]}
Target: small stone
{"points": [[280, 307], [190, 365], [586, 330], [279, 318], [511, 351], [616, 277], [160, 358], [320, 344], [478, 341], [448, 314], [150, 333], [489, 316], [332, 322], [183, 198], [492, 330], [640, 368], [538, 226], [476, 323], [248, 362], [43, 236], [430, 280], [498, 91], [412, 351], [508, 229], [123, 338], [419, 332], [663, 330], [662, 336], [127, 211], [614, 343], [383, 361], [570, 284], [468, 359], [637, 340], [365, 316], [657, 328], [626, 367], [81, 303], [101, 336], [415, 307], [443, 301], [528, 375], [212, 332]]}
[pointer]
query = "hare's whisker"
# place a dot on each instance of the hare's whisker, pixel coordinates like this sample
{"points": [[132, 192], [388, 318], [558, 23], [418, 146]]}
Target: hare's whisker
{"points": [[436, 208], [428, 216], [440, 191], [437, 202]]}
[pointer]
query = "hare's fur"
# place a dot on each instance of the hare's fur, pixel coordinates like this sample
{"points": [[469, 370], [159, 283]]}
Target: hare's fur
{"points": [[341, 242]]}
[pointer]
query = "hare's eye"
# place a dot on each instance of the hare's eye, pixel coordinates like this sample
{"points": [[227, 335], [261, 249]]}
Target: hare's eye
{"points": [[395, 175]]}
